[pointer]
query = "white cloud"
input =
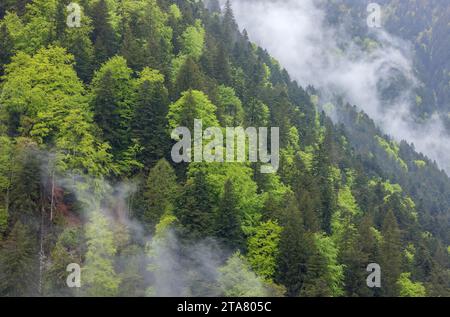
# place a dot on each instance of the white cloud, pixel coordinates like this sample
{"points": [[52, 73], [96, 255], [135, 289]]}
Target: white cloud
{"points": [[296, 34]]}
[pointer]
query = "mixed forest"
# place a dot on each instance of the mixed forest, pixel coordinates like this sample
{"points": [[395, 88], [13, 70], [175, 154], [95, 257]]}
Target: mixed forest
{"points": [[86, 174]]}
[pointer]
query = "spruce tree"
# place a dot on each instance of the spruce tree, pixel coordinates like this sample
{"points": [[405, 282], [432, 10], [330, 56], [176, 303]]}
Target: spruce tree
{"points": [[228, 225], [149, 125], [189, 77], [18, 263], [103, 35], [390, 255], [161, 193], [295, 249], [194, 209], [6, 47]]}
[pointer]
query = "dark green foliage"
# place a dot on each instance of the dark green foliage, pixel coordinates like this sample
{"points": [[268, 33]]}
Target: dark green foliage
{"points": [[18, 263], [161, 193], [194, 208], [390, 258], [103, 35], [339, 201], [228, 225], [149, 123]]}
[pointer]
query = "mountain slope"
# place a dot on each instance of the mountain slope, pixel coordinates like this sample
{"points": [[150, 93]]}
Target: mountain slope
{"points": [[87, 176]]}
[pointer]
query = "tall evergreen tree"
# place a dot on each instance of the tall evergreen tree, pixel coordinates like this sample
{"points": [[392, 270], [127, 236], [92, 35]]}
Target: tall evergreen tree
{"points": [[149, 123], [228, 224], [390, 255], [103, 35], [161, 193], [295, 249], [6, 47], [112, 101], [194, 209], [18, 263]]}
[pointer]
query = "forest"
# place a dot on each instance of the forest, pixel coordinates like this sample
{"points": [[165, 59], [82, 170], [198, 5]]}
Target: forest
{"points": [[87, 177]]}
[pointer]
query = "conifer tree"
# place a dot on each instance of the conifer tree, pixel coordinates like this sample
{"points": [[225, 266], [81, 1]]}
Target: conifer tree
{"points": [[161, 193], [228, 223], [149, 125], [295, 248], [18, 263], [194, 209], [390, 255], [103, 35], [112, 101]]}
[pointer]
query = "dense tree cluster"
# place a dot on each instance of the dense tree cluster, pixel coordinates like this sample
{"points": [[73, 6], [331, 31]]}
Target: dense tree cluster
{"points": [[81, 108]]}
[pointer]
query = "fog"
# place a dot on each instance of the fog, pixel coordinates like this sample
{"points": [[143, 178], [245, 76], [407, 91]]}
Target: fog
{"points": [[296, 34]]}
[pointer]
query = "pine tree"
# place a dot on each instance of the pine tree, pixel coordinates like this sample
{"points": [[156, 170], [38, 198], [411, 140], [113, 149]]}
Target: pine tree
{"points": [[189, 77], [322, 174], [161, 193], [194, 209], [103, 35], [295, 249], [228, 224], [325, 276], [113, 98], [6, 47], [18, 263], [229, 27], [149, 124], [390, 255]]}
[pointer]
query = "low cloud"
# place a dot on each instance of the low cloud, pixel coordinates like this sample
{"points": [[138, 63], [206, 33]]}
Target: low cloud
{"points": [[296, 33]]}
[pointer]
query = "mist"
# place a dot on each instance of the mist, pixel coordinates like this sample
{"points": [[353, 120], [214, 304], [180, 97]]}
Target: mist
{"points": [[164, 262], [296, 33]]}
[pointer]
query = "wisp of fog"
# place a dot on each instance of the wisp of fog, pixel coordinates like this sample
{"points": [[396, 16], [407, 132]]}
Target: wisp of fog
{"points": [[315, 53]]}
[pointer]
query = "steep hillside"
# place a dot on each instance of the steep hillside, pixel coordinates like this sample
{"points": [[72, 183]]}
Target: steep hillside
{"points": [[88, 176]]}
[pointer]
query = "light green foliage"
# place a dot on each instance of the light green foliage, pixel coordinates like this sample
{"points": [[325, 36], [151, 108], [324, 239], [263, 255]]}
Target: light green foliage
{"points": [[5, 179], [99, 277], [257, 114], [392, 149], [154, 247], [35, 29], [307, 157], [237, 280], [420, 163], [193, 40], [43, 88], [229, 107], [348, 210], [409, 288], [113, 98], [51, 100], [334, 271], [177, 63], [175, 12], [67, 250], [151, 75], [249, 202], [410, 252], [263, 249], [347, 202], [192, 105]]}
